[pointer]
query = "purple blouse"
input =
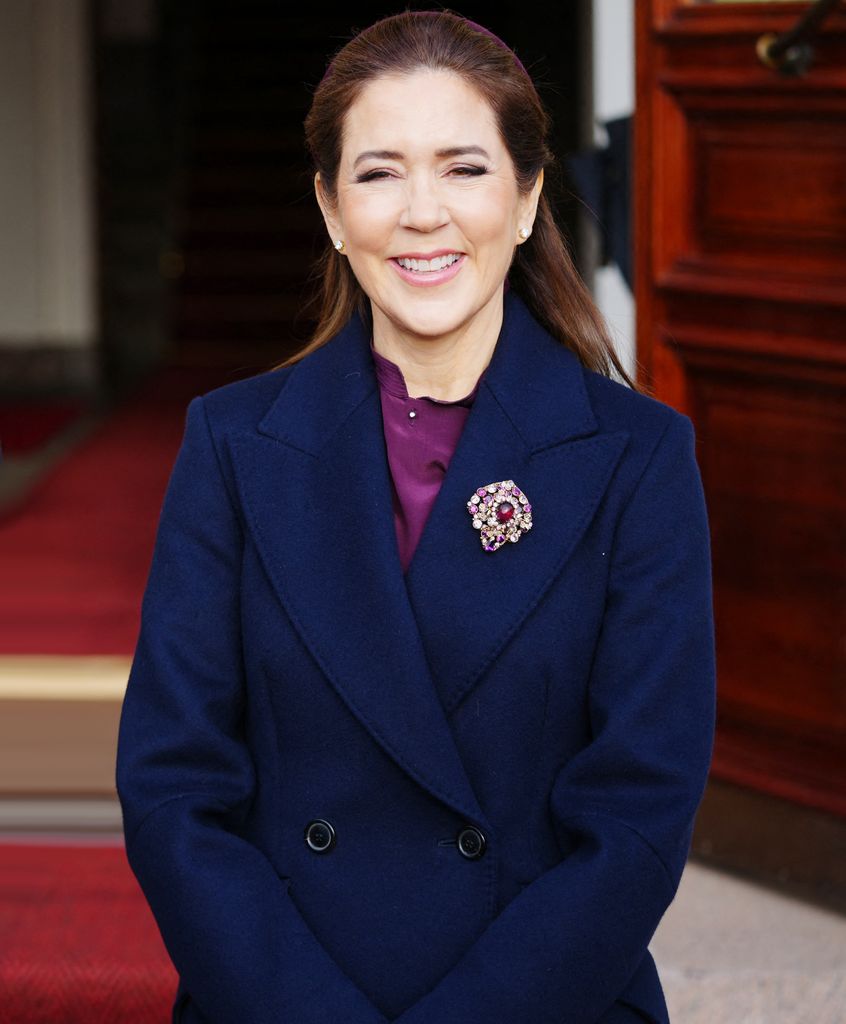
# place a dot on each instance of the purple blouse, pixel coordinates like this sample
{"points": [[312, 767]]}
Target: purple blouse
{"points": [[421, 435]]}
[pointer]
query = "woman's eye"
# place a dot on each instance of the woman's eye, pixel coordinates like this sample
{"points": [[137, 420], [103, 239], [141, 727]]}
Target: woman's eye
{"points": [[469, 171]]}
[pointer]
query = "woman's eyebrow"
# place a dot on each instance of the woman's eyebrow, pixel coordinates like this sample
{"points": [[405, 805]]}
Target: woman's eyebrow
{"points": [[392, 154]]}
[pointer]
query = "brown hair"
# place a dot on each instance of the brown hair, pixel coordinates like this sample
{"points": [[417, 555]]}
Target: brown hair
{"points": [[542, 271]]}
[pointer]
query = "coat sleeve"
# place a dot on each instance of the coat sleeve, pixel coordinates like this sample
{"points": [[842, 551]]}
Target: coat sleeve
{"points": [[185, 777], [567, 945]]}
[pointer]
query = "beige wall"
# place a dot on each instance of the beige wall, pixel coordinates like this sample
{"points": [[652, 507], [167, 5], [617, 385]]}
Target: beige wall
{"points": [[47, 227]]}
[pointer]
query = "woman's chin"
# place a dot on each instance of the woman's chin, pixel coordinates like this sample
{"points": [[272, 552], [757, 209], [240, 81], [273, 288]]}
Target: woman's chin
{"points": [[431, 319]]}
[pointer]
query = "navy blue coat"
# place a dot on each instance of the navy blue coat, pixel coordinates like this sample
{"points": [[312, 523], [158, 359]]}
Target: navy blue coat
{"points": [[557, 694]]}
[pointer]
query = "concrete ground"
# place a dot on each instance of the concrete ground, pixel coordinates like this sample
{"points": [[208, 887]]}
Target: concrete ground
{"points": [[732, 952]]}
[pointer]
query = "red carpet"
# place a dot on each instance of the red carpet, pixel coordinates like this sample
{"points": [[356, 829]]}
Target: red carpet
{"points": [[76, 552], [78, 944], [25, 426]]}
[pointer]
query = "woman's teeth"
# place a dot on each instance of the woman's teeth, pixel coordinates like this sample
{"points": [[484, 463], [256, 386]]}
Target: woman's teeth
{"points": [[438, 263]]}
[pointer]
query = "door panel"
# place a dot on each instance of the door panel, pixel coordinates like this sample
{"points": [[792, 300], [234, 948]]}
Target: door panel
{"points": [[740, 228]]}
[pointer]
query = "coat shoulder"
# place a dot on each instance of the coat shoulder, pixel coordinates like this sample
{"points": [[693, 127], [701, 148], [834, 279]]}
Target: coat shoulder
{"points": [[649, 423], [619, 407], [241, 404]]}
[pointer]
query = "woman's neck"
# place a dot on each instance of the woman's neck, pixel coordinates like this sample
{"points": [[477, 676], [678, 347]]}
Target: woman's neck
{"points": [[445, 367]]}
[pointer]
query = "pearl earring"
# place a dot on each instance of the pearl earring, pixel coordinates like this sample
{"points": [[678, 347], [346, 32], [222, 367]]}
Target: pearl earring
{"points": [[524, 233], [339, 245]]}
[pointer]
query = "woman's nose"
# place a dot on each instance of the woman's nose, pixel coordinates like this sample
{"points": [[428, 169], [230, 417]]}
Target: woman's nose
{"points": [[424, 208]]}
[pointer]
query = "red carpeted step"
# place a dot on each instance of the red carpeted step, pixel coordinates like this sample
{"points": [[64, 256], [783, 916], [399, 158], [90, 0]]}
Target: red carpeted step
{"points": [[75, 553], [79, 944], [25, 426]]}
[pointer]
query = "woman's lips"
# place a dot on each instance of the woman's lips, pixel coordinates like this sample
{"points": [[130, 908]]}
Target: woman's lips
{"points": [[426, 278]]}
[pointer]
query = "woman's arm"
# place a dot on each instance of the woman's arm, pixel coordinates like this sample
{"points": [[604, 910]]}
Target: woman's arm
{"points": [[568, 944], [185, 777]]}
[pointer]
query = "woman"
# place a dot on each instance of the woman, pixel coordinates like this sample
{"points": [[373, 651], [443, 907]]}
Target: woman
{"points": [[422, 705]]}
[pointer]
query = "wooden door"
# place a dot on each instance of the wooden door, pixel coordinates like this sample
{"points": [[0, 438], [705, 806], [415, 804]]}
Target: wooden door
{"points": [[740, 229]]}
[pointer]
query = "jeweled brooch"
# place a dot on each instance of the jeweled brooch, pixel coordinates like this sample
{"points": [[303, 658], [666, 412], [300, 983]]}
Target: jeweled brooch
{"points": [[502, 512]]}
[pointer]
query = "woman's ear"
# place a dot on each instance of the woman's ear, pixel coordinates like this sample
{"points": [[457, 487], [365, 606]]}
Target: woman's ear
{"points": [[531, 201], [329, 219]]}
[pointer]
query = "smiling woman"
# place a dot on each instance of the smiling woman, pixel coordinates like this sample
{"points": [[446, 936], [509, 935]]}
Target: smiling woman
{"points": [[429, 140], [372, 769], [425, 178]]}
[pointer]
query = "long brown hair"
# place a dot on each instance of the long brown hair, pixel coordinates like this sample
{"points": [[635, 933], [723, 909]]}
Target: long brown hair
{"points": [[542, 271]]}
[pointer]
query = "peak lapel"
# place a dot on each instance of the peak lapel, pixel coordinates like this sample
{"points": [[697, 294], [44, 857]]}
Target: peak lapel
{"points": [[531, 422], [315, 484]]}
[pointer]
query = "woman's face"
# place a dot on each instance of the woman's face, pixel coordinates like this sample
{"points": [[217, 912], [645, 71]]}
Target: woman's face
{"points": [[424, 174]]}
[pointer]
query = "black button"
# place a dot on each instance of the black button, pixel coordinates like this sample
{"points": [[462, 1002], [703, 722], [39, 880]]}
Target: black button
{"points": [[320, 835], [471, 842]]}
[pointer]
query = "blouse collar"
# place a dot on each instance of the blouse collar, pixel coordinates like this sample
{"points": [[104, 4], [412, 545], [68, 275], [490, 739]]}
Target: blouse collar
{"points": [[391, 380]]}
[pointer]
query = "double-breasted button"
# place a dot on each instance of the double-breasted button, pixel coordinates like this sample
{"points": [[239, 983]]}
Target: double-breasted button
{"points": [[471, 842], [320, 835]]}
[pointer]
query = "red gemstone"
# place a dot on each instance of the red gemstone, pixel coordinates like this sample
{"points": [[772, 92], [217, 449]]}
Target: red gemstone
{"points": [[505, 511]]}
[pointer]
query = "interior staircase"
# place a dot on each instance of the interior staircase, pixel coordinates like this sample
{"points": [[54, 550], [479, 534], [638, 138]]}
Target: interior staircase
{"points": [[250, 225]]}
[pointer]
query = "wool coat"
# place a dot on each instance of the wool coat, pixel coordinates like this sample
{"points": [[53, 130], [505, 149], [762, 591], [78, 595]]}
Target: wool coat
{"points": [[463, 795]]}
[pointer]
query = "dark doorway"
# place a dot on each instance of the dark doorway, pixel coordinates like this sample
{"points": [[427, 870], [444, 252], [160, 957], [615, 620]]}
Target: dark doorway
{"points": [[208, 221]]}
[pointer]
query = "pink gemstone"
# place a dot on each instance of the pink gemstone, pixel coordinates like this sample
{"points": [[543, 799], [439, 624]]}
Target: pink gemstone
{"points": [[515, 490], [481, 492], [505, 512], [527, 507]]}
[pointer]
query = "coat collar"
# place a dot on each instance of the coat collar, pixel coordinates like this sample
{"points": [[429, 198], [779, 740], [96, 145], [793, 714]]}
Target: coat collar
{"points": [[537, 382], [404, 651]]}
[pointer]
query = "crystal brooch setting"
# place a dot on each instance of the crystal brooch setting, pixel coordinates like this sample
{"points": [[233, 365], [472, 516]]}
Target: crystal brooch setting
{"points": [[501, 512]]}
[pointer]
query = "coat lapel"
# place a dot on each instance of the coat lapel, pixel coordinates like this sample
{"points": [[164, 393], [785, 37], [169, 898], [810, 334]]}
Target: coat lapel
{"points": [[316, 489], [315, 485], [532, 423]]}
